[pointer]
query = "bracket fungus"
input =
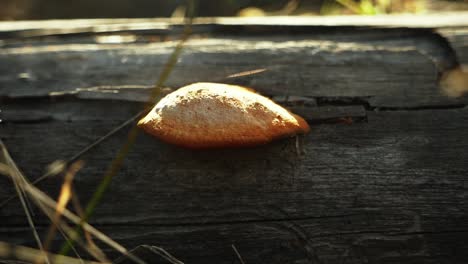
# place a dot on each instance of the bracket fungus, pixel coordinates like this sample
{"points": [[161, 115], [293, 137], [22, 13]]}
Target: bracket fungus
{"points": [[214, 115]]}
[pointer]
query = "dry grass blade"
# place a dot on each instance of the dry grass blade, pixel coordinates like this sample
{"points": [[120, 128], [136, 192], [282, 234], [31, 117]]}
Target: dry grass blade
{"points": [[62, 232], [4, 169], [118, 161], [237, 254], [17, 177], [132, 135], [163, 253], [30, 255], [79, 210], [7, 170], [64, 197], [67, 231], [64, 164], [42, 200], [245, 73]]}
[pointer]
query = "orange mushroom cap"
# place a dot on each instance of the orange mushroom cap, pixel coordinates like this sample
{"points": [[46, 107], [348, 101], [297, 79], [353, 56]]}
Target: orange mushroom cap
{"points": [[214, 115]]}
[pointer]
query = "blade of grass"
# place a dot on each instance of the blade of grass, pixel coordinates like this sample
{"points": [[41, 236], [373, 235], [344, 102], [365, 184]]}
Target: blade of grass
{"points": [[75, 157], [351, 5], [64, 197], [156, 91], [17, 177], [68, 231], [132, 135], [12, 171], [30, 221], [42, 200], [164, 254], [79, 210], [30, 255], [237, 254], [64, 235]]}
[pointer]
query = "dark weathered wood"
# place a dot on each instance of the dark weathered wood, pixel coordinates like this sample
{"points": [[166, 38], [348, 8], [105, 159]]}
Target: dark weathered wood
{"points": [[331, 113], [300, 241], [459, 40], [397, 135], [302, 67], [381, 179], [150, 254], [396, 182]]}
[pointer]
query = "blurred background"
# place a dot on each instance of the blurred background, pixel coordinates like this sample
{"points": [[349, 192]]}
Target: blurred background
{"points": [[66, 9]]}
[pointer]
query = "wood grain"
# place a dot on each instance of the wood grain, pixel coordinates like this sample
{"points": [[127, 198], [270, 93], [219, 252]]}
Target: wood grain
{"points": [[394, 182], [381, 178], [390, 71]]}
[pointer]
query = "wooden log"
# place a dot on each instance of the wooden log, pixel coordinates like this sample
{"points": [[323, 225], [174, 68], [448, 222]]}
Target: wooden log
{"points": [[302, 67], [385, 186], [73, 26], [458, 38], [391, 182]]}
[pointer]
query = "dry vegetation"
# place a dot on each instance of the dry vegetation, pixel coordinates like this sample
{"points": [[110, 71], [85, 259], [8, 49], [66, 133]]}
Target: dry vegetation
{"points": [[63, 219], [51, 9]]}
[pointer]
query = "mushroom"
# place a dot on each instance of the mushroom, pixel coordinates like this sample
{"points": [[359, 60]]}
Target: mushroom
{"points": [[215, 115]]}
